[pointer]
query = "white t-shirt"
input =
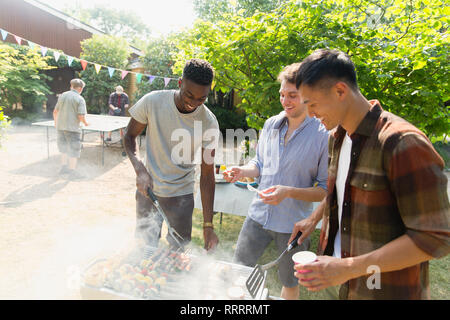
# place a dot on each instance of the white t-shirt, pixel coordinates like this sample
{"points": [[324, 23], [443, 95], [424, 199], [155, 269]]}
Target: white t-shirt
{"points": [[343, 166], [174, 141]]}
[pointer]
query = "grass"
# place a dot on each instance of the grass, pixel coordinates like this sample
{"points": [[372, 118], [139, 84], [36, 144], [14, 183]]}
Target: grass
{"points": [[228, 233]]}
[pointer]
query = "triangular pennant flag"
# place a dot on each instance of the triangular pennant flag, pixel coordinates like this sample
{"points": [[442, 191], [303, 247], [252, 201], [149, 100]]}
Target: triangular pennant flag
{"points": [[44, 51], [4, 34], [18, 39], [124, 73], [150, 79], [138, 77], [56, 55], [111, 71], [166, 81], [31, 45], [69, 60], [97, 67], [83, 64]]}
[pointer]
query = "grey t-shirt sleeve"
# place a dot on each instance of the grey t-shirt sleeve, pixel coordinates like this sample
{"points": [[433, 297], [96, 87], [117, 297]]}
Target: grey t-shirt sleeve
{"points": [[58, 103], [139, 111], [82, 107], [210, 139]]}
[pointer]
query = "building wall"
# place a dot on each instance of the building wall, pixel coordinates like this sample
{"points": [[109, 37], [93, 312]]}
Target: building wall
{"points": [[41, 27], [55, 31], [60, 83]]}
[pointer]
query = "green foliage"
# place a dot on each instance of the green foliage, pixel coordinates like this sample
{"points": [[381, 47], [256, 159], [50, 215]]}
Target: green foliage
{"points": [[400, 50], [443, 148], [112, 21], [20, 78], [216, 10], [4, 123], [157, 61], [62, 61], [228, 119], [212, 10], [107, 51]]}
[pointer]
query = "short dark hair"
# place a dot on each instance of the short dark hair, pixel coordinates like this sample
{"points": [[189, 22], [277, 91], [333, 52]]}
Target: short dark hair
{"points": [[289, 73], [325, 67], [199, 71]]}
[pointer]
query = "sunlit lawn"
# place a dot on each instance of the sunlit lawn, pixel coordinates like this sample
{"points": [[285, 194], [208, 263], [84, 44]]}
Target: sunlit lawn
{"points": [[228, 233]]}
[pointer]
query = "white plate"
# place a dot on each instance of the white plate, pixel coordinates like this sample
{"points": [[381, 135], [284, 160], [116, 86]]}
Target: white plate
{"points": [[244, 184]]}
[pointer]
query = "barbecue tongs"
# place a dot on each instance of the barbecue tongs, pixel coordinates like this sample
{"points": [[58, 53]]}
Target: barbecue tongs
{"points": [[172, 232]]}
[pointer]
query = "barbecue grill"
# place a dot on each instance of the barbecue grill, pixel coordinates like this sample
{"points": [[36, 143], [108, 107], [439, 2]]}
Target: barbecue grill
{"points": [[207, 279]]}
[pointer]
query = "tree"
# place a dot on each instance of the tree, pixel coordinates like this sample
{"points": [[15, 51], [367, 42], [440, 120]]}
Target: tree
{"points": [[400, 51], [158, 61], [21, 79], [215, 10], [4, 123], [125, 24], [107, 51]]}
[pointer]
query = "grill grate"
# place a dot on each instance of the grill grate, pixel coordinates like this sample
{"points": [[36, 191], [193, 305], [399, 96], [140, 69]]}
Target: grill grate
{"points": [[208, 279]]}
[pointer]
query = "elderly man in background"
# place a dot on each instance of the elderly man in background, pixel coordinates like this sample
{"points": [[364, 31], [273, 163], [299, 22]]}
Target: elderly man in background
{"points": [[69, 111], [118, 102]]}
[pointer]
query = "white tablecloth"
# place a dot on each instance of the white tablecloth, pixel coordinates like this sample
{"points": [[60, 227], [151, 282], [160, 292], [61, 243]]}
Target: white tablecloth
{"points": [[228, 198]]}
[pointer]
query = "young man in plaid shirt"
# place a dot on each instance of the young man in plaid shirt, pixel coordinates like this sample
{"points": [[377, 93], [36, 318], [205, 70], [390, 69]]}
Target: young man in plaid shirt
{"points": [[387, 208]]}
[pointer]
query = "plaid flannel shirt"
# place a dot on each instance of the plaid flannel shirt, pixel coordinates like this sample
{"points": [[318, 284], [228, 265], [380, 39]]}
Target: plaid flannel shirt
{"points": [[395, 186]]}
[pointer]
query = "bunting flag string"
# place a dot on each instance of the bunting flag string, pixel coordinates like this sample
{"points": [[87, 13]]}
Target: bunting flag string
{"points": [[84, 63], [18, 39], [69, 60], [97, 67], [111, 71], [44, 51], [138, 77], [4, 34], [124, 73], [56, 55]]}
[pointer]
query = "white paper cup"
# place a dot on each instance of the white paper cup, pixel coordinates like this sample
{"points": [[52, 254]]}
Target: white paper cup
{"points": [[304, 257]]}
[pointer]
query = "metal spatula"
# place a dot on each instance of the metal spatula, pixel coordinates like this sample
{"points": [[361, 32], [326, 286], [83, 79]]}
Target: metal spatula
{"points": [[256, 278], [173, 233]]}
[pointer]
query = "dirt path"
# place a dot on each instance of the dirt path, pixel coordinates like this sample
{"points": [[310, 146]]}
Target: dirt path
{"points": [[51, 228]]}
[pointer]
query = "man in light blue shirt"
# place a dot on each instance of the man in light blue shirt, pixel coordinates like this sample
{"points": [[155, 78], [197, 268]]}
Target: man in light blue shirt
{"points": [[291, 165]]}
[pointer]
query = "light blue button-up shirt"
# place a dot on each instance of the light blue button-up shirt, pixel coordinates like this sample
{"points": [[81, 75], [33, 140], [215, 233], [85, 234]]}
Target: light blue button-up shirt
{"points": [[300, 163]]}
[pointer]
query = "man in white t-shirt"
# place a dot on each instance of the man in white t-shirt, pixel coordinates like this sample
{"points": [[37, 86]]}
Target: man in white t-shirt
{"points": [[181, 133]]}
